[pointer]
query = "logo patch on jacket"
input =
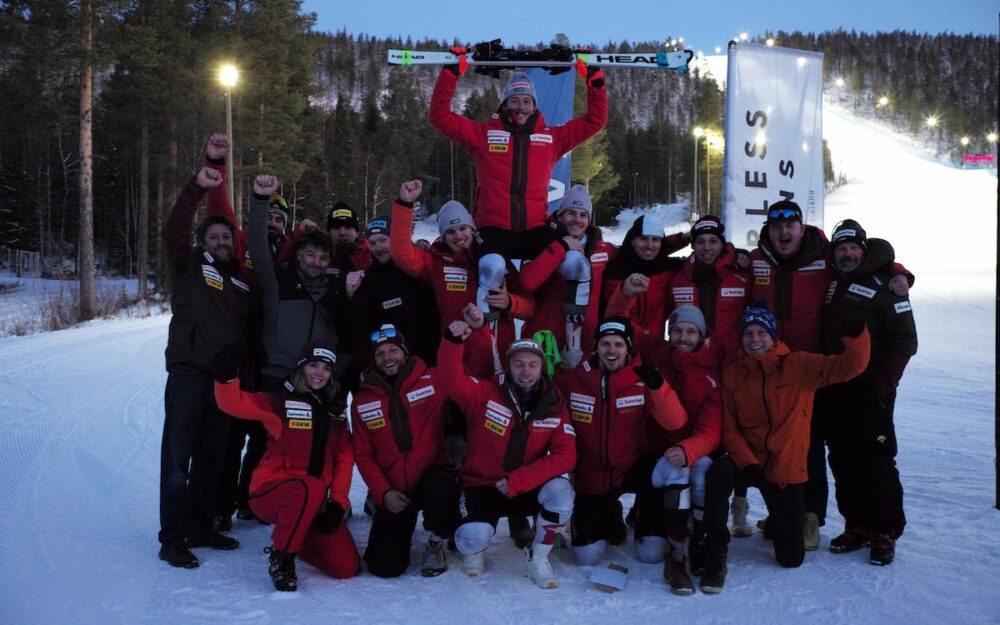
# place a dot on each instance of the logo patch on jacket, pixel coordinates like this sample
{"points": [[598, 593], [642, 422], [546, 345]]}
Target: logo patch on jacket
{"points": [[499, 149], [601, 257], [902, 307], [630, 401], [299, 414], [300, 424], [568, 429], [373, 418], [392, 303], [549, 423], [582, 417], [497, 137], [734, 292], [456, 279], [420, 393], [761, 271], [243, 286], [762, 280], [541, 138], [863, 291], [212, 277], [374, 405], [816, 265]]}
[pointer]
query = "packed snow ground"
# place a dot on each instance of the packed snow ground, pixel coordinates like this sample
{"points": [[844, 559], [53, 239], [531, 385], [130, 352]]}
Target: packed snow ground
{"points": [[81, 413]]}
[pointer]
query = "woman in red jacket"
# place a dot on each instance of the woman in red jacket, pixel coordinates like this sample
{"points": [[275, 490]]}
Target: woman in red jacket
{"points": [[303, 480]]}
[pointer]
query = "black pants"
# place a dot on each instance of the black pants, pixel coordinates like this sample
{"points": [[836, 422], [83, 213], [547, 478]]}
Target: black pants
{"points": [[599, 517], [194, 441], [524, 245], [817, 489], [862, 440], [237, 467], [388, 552], [785, 508]]}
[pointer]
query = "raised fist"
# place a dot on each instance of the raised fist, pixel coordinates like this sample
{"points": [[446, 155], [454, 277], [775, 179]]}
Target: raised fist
{"points": [[473, 316], [410, 190], [217, 147], [635, 284], [208, 178], [353, 281], [265, 185]]}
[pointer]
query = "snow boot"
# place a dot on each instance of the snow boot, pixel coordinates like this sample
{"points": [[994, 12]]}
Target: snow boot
{"points": [[852, 539], [474, 564], [215, 540], [883, 550], [433, 562], [222, 524], [714, 577], [281, 567], [741, 529], [179, 556], [696, 555], [521, 531], [810, 531], [539, 568], [675, 573]]}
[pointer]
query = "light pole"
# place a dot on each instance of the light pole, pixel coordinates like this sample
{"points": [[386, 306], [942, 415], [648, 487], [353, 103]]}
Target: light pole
{"points": [[227, 77], [698, 133]]}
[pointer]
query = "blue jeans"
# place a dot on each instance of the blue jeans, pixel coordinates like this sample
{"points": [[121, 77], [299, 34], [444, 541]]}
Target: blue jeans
{"points": [[194, 443]]}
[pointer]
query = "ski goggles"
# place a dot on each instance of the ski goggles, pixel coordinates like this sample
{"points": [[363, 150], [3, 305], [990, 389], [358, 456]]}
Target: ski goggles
{"points": [[383, 333], [783, 213]]}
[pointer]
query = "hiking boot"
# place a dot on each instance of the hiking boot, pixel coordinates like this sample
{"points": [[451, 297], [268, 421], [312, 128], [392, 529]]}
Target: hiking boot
{"points": [[675, 574], [740, 507], [696, 555], [281, 567], [540, 569], [617, 531], [810, 531], [222, 524], [474, 564], [433, 562], [179, 556], [714, 577], [215, 540], [520, 531], [852, 539], [883, 550]]}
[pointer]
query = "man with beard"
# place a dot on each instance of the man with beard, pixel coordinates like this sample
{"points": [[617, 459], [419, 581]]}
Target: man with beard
{"points": [[612, 398], [210, 298], [858, 415], [398, 437]]}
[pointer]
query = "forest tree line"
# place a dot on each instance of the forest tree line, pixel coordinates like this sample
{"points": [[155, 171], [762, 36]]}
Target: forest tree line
{"points": [[326, 114]]}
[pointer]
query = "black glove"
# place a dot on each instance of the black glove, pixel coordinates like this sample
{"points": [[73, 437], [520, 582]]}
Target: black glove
{"points": [[650, 375], [753, 475], [454, 338], [852, 327], [330, 517], [226, 364]]}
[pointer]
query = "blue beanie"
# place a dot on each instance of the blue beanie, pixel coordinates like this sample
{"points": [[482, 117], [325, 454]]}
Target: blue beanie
{"points": [[761, 316]]}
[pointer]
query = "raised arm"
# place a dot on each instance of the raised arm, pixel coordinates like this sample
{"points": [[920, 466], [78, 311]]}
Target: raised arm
{"points": [[180, 222], [456, 127], [407, 256], [260, 250], [249, 406]]}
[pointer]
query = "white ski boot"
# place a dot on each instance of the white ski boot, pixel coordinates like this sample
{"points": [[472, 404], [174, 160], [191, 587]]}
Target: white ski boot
{"points": [[474, 564], [539, 568]]}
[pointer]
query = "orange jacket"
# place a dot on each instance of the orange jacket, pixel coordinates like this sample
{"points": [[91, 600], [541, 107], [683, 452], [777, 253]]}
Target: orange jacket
{"points": [[768, 404]]}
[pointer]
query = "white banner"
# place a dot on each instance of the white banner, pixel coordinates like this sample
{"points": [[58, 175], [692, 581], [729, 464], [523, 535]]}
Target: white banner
{"points": [[774, 132]]}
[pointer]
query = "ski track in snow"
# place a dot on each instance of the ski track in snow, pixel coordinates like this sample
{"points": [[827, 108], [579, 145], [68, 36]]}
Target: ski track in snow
{"points": [[81, 414]]}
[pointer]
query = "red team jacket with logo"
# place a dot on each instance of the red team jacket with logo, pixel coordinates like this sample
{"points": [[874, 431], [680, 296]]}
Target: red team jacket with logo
{"points": [[721, 297], [528, 449], [398, 434], [513, 165], [291, 420], [650, 309], [610, 413], [454, 279], [541, 276]]}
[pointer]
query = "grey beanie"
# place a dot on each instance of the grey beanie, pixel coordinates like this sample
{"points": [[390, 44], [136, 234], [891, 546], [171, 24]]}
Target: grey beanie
{"points": [[689, 314], [577, 197], [453, 214], [519, 84]]}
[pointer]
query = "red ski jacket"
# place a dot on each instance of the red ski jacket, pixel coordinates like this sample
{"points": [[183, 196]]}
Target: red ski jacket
{"points": [[610, 413], [541, 276], [292, 421], [721, 292], [398, 432], [454, 279], [528, 447], [513, 164]]}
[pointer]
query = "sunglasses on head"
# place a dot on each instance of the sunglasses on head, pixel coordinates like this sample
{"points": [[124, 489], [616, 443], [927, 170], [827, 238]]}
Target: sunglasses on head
{"points": [[389, 333], [783, 213]]}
